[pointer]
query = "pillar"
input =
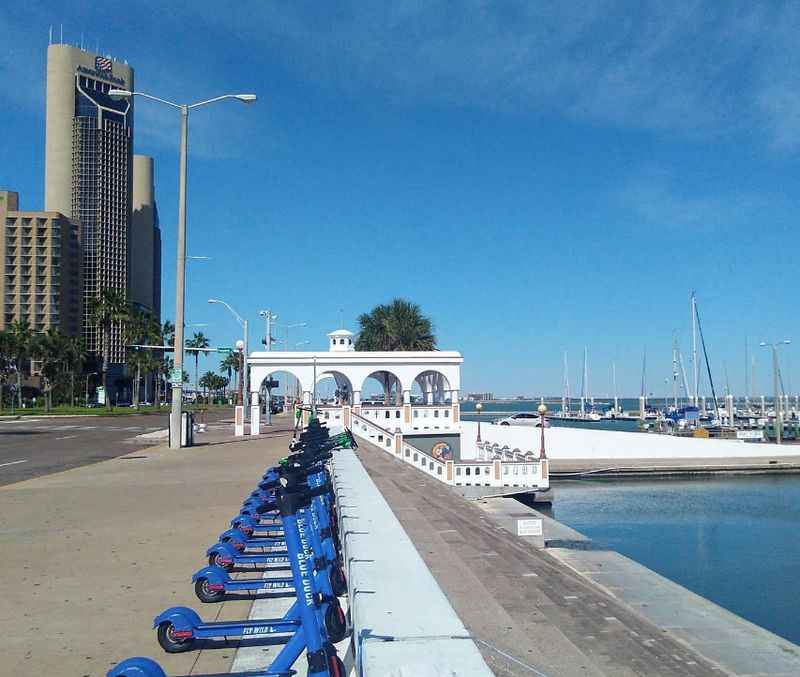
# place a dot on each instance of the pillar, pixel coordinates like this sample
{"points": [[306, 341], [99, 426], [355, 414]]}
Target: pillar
{"points": [[429, 395], [255, 413], [641, 406], [406, 397], [307, 397], [356, 398]]}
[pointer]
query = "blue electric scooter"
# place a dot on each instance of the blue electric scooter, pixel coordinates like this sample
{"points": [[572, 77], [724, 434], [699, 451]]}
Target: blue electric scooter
{"points": [[312, 620]]}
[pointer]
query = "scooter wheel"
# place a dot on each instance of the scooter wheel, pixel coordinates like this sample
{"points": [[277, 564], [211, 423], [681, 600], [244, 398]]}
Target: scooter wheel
{"points": [[169, 642], [335, 623], [338, 581], [215, 560], [205, 594]]}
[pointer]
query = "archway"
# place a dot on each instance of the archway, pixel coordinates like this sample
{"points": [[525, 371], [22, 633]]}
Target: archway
{"points": [[281, 388], [334, 388], [431, 387], [382, 387]]}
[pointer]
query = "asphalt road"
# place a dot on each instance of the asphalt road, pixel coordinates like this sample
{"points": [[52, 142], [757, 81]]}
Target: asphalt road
{"points": [[36, 446]]}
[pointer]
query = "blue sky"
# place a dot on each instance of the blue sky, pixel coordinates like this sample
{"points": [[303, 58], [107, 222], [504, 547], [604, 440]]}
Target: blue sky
{"points": [[537, 176]]}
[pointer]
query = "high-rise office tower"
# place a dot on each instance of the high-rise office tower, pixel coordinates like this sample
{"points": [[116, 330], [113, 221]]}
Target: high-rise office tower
{"points": [[88, 170], [145, 240]]}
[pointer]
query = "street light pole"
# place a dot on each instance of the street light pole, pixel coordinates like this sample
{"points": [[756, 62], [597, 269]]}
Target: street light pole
{"points": [[180, 270], [175, 414], [777, 400], [479, 408], [245, 378]]}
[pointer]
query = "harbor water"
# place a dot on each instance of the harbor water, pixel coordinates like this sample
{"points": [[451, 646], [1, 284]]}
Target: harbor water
{"points": [[734, 541]]}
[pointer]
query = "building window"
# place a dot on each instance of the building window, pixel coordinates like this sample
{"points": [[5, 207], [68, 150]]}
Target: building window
{"points": [[486, 470], [458, 472], [468, 471]]}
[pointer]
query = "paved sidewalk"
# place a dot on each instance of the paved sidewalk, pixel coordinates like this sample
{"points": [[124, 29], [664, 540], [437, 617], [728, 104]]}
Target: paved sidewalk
{"points": [[529, 613], [94, 553]]}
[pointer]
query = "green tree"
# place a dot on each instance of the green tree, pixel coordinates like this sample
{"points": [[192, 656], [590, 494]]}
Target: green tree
{"points": [[74, 362], [230, 365], [141, 328], [199, 340], [166, 338], [48, 348], [107, 310], [6, 361], [398, 325], [21, 344]]}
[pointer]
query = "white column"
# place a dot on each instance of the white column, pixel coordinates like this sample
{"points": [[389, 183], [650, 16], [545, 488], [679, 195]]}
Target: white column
{"points": [[306, 397], [255, 413], [356, 397], [406, 397]]}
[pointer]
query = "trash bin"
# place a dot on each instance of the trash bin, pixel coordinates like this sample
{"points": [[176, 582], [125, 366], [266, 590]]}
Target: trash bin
{"points": [[187, 429]]}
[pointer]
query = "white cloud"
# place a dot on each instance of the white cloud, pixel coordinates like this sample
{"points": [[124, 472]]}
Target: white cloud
{"points": [[693, 68], [658, 199]]}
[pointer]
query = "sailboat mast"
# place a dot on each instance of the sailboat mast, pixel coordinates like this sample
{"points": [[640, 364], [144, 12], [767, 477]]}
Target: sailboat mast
{"points": [[565, 398], [614, 381], [583, 384], [695, 366], [675, 373]]}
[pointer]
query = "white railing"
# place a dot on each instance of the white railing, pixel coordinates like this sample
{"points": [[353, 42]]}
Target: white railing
{"points": [[497, 472], [424, 418]]}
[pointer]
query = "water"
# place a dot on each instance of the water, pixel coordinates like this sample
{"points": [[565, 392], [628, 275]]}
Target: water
{"points": [[734, 541]]}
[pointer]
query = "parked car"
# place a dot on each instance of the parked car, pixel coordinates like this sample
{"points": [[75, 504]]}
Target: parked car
{"points": [[523, 418]]}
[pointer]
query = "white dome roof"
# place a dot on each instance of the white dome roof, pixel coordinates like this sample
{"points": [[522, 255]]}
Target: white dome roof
{"points": [[341, 332]]}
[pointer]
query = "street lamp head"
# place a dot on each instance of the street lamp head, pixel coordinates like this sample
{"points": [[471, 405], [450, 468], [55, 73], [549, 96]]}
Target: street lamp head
{"points": [[240, 345], [246, 98], [479, 407], [120, 93], [542, 409], [763, 344], [787, 341], [213, 300]]}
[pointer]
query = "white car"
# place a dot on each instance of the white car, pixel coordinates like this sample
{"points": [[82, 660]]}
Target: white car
{"points": [[523, 418]]}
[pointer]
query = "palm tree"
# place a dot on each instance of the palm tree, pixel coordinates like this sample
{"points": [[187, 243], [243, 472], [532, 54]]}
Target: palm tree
{"points": [[6, 360], [48, 350], [230, 365], [141, 328], [199, 340], [106, 310], [21, 340], [398, 325], [74, 360], [167, 338]]}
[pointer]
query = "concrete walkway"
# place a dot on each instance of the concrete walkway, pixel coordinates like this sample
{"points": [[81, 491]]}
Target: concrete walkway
{"points": [[93, 554], [529, 613]]}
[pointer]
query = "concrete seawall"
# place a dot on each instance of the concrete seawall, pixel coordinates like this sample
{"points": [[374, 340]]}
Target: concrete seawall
{"points": [[734, 644], [577, 451]]}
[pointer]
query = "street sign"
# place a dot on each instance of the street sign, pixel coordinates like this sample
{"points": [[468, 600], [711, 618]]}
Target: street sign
{"points": [[101, 395], [176, 376], [225, 350]]}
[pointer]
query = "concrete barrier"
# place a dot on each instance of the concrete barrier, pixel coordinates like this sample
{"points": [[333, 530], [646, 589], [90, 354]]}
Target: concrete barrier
{"points": [[403, 624]]}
